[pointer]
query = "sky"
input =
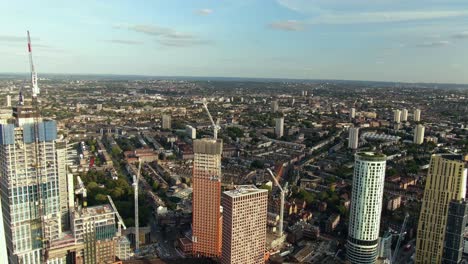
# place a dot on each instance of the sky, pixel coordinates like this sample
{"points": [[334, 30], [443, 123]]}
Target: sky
{"points": [[381, 40]]}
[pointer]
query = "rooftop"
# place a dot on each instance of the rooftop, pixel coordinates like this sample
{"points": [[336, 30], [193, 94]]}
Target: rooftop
{"points": [[241, 190]]}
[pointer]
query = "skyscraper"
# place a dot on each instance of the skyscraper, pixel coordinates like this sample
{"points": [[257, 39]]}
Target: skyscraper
{"points": [[446, 181], [353, 140], [3, 246], [166, 122], [404, 115], [207, 221], [366, 207], [418, 137], [417, 115], [454, 232], [29, 185], [244, 225], [279, 127], [396, 116]]}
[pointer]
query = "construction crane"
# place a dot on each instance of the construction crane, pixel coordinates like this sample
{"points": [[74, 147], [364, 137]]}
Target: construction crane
{"points": [[400, 238], [40, 180], [121, 223], [215, 126], [137, 224], [35, 87], [81, 190], [280, 227]]}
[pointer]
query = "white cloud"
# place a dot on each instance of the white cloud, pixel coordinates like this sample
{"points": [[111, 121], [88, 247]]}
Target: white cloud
{"points": [[124, 41], [461, 35], [166, 36], [288, 25], [384, 17], [204, 12], [430, 44]]}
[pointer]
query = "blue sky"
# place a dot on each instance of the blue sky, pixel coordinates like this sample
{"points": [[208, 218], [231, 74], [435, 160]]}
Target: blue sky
{"points": [[393, 40]]}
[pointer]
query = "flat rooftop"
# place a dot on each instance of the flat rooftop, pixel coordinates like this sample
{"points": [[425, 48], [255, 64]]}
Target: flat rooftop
{"points": [[241, 190]]}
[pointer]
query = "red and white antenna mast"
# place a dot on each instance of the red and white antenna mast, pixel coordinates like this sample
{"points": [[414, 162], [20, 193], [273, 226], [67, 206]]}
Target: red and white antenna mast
{"points": [[35, 87]]}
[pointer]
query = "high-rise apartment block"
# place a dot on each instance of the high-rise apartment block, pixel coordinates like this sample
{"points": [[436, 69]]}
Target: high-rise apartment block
{"points": [[207, 220], [418, 137], [274, 106], [366, 207], [244, 225], [417, 115], [446, 181], [404, 115], [279, 127], [8, 101], [352, 113], [191, 131], [166, 122], [396, 116], [353, 140]]}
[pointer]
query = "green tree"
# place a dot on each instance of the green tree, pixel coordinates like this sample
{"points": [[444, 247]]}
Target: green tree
{"points": [[155, 186]]}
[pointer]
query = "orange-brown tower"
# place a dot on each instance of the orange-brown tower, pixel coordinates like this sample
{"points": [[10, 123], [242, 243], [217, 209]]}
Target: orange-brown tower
{"points": [[207, 219]]}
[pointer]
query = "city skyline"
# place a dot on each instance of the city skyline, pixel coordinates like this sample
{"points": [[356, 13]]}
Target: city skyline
{"points": [[298, 39]]}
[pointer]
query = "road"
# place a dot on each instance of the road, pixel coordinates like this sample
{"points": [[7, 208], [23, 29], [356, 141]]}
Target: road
{"points": [[405, 256], [165, 240]]}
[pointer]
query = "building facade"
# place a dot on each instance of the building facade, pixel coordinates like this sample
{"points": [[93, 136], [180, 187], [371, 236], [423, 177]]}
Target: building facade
{"points": [[353, 140], [206, 202], [397, 116], [454, 232], [279, 127], [404, 115], [166, 122], [418, 137], [366, 207], [352, 113], [244, 225], [29, 186], [417, 115], [274, 106], [446, 181]]}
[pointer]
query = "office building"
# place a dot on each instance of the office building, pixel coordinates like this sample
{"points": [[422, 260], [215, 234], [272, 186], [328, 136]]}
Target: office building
{"points": [[418, 137], [417, 115], [454, 232], [397, 116], [404, 115], [279, 127], [191, 131], [366, 207], [28, 167], [445, 181], [166, 122], [352, 113], [353, 140], [8, 101], [206, 202], [274, 106], [244, 225]]}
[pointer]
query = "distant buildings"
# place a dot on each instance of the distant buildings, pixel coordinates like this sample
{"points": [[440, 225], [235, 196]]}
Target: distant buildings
{"points": [[456, 222], [417, 115], [446, 181], [166, 122], [366, 207], [207, 221], [191, 131], [397, 116], [244, 225], [279, 127], [418, 137], [404, 115], [353, 140], [352, 113], [274, 106]]}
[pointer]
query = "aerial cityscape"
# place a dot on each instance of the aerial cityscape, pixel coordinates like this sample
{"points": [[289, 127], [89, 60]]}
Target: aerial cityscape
{"points": [[119, 165]]}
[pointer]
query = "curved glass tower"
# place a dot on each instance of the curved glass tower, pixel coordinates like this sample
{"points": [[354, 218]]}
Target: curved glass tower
{"points": [[366, 207]]}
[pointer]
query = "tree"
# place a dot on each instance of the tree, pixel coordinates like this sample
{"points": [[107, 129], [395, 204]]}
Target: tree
{"points": [[266, 187], [155, 186], [257, 164], [101, 198]]}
